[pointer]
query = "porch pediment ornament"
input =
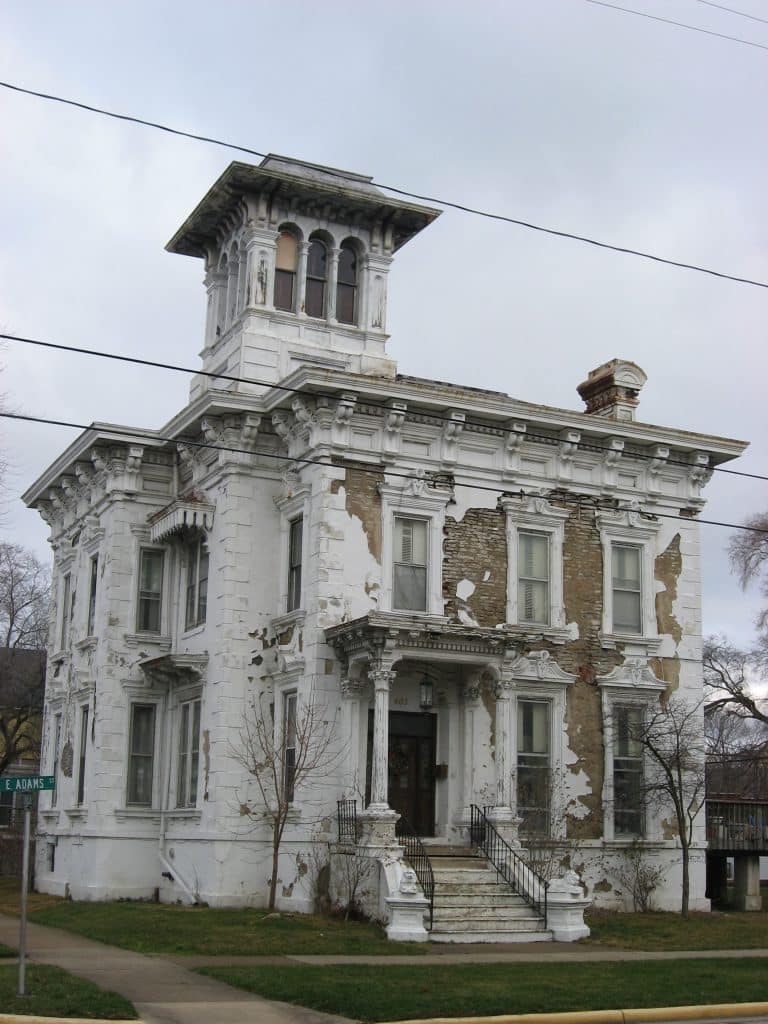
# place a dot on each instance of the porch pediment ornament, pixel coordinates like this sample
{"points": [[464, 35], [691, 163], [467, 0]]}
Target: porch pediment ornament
{"points": [[174, 669], [180, 517], [539, 666], [634, 673]]}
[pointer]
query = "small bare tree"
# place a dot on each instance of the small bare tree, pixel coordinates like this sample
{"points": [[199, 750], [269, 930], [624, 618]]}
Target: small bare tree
{"points": [[639, 876], [282, 756], [672, 737]]}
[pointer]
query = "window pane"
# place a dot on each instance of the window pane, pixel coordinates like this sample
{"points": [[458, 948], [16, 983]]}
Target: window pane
{"points": [[92, 595], [410, 587], [626, 567], [141, 757], [294, 563], [411, 541], [314, 303], [533, 727], [150, 591], [347, 264], [345, 303], [287, 252], [626, 612], [534, 556], [533, 601], [316, 260], [284, 284]]}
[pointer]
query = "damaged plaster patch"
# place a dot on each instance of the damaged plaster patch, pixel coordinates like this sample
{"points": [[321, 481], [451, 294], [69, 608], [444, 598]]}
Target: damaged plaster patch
{"points": [[466, 588], [465, 498]]}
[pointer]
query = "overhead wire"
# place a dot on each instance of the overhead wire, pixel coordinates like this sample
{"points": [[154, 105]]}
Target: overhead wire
{"points": [[732, 10], [580, 500], [463, 207], [678, 24], [154, 364]]}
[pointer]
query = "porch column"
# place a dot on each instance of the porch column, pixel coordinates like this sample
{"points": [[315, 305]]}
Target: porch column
{"points": [[381, 679], [351, 693], [470, 699], [503, 815]]}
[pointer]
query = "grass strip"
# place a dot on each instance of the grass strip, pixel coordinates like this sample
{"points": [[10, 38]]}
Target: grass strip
{"points": [[55, 993], [381, 993], [660, 931], [6, 951]]}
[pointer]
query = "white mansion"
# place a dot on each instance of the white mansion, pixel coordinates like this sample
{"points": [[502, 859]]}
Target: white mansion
{"points": [[478, 596]]}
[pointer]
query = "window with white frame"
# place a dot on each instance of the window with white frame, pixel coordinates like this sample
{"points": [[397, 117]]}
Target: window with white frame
{"points": [[188, 762], [295, 553], [197, 583], [533, 603], [533, 766], [141, 755], [55, 757], [92, 587], [409, 577], [288, 744], [535, 532], [627, 771], [66, 610], [628, 542], [83, 749], [150, 604]]}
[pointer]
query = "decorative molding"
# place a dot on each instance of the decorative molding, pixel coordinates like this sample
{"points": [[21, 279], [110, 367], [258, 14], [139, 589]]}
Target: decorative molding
{"points": [[179, 517]]}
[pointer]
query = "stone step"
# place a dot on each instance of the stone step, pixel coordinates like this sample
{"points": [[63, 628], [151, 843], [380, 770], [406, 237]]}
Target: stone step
{"points": [[468, 926], [446, 850], [470, 890], [467, 876], [472, 899], [442, 863], [508, 936], [483, 914]]}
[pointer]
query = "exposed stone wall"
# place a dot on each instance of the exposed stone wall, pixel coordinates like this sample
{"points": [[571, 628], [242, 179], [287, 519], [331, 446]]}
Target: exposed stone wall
{"points": [[475, 550]]}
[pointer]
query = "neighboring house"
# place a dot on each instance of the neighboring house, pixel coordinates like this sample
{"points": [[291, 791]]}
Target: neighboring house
{"points": [[482, 594], [22, 679]]}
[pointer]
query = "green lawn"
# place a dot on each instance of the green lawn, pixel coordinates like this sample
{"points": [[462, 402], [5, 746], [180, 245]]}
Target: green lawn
{"points": [[55, 993], [716, 930], [394, 993], [6, 951], [163, 928]]}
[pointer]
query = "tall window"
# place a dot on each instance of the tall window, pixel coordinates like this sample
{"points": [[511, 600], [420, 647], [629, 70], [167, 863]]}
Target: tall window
{"points": [[83, 751], [627, 595], [66, 610], [294, 564], [150, 591], [533, 578], [92, 594], [317, 275], [55, 758], [189, 754], [141, 752], [533, 766], [285, 271], [410, 569], [197, 583], [346, 287], [289, 744], [627, 771]]}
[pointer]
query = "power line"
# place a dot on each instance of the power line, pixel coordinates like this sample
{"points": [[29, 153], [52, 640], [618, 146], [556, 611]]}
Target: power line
{"points": [[403, 192], [679, 24], [138, 435], [153, 364], [732, 10]]}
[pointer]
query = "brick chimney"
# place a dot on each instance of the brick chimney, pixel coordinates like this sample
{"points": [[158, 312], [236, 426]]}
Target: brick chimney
{"points": [[611, 390]]}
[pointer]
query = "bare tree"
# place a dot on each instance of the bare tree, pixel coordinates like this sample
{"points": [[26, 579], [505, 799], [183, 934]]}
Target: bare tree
{"points": [[24, 597], [748, 551], [672, 737], [730, 676], [282, 757]]}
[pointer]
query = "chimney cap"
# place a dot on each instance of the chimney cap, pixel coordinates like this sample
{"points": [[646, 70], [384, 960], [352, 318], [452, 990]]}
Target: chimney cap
{"points": [[611, 389]]}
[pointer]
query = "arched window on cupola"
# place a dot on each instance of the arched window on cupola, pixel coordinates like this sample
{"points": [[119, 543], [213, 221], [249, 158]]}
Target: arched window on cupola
{"points": [[317, 276], [285, 271], [346, 286]]}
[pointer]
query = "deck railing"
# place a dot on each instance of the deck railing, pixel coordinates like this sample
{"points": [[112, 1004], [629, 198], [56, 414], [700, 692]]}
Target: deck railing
{"points": [[349, 830], [737, 825], [508, 864]]}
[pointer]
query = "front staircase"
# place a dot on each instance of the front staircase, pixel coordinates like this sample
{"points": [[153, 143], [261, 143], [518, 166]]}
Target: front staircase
{"points": [[472, 904]]}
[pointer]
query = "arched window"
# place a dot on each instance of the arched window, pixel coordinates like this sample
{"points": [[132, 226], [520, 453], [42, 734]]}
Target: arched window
{"points": [[346, 288], [317, 274], [285, 271]]}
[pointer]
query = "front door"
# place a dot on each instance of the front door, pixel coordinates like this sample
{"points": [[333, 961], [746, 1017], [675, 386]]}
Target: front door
{"points": [[411, 782]]}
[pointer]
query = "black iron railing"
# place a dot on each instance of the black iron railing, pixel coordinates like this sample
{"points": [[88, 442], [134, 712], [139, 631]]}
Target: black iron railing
{"points": [[509, 865], [418, 858], [737, 825], [347, 819]]}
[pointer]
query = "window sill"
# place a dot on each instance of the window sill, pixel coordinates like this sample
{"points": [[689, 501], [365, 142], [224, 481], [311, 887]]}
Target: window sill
{"points": [[51, 815], [184, 814], [281, 622], [646, 644], [193, 631], [555, 634], [137, 813], [141, 639], [75, 813]]}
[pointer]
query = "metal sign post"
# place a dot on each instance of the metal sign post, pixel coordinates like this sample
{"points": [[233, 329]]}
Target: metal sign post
{"points": [[26, 784]]}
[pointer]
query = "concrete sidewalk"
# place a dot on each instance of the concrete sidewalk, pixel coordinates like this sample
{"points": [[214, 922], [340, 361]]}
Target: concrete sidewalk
{"points": [[163, 991]]}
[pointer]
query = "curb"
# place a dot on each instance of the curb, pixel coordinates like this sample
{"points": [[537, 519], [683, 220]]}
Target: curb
{"points": [[23, 1018], [715, 1011]]}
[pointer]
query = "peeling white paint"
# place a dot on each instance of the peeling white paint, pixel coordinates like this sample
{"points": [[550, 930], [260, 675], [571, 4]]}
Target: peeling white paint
{"points": [[486, 575], [465, 589], [465, 498]]}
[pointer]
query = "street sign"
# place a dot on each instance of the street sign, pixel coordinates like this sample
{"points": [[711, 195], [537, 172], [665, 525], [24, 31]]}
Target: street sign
{"points": [[27, 783]]}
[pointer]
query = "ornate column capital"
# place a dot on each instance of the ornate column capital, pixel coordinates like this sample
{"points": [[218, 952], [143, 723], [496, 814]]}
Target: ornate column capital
{"points": [[382, 678]]}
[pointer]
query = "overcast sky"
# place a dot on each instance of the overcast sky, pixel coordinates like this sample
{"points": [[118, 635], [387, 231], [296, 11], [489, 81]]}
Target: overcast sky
{"points": [[557, 111]]}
